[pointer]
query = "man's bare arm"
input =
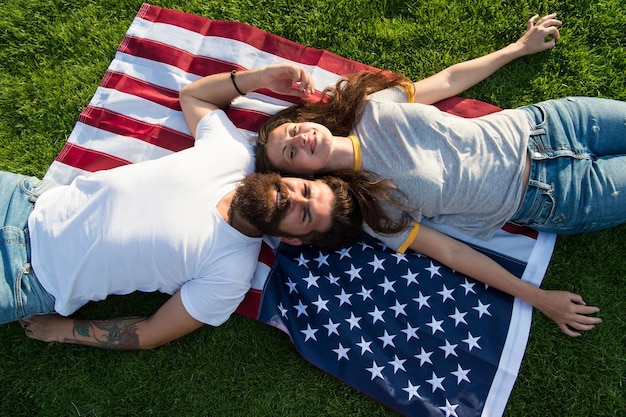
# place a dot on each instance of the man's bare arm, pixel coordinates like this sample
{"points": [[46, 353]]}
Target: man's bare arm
{"points": [[170, 322]]}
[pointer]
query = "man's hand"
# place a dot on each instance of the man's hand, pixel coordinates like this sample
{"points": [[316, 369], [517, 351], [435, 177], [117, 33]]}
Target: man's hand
{"points": [[288, 79], [170, 322], [46, 328]]}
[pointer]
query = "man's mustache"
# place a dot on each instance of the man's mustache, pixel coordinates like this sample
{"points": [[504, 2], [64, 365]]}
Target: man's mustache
{"points": [[282, 198]]}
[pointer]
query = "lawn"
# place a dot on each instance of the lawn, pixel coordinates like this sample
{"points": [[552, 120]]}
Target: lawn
{"points": [[52, 57]]}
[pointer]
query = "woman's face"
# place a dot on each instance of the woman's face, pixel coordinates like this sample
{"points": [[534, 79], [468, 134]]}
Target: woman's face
{"points": [[300, 148]]}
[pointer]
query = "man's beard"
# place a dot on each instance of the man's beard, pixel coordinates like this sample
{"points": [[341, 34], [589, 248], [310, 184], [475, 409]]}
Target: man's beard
{"points": [[254, 202]]}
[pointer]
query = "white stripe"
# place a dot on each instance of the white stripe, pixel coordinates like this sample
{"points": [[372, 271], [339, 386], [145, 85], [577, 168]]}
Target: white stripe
{"points": [[124, 147], [140, 109], [223, 49], [62, 173]]}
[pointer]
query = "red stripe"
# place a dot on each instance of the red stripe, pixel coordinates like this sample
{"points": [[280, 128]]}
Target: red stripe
{"points": [[246, 119], [88, 159], [520, 230], [466, 107], [251, 303], [130, 85], [266, 256], [120, 124], [255, 37]]}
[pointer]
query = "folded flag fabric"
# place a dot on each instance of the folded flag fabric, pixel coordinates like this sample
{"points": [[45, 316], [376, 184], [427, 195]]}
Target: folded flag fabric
{"points": [[412, 334]]}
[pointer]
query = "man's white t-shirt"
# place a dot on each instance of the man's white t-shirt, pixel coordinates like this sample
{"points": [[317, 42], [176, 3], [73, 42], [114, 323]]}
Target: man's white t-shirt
{"points": [[151, 226]]}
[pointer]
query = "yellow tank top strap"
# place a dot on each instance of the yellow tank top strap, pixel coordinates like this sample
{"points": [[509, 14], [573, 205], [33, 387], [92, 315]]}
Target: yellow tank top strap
{"points": [[410, 91], [410, 238], [357, 151]]}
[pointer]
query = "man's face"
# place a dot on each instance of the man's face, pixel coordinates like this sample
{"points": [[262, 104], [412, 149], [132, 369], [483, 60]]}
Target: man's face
{"points": [[286, 206]]}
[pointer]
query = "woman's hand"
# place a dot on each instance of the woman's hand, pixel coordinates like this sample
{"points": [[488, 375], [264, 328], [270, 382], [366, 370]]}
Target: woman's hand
{"points": [[569, 311], [288, 79], [541, 35]]}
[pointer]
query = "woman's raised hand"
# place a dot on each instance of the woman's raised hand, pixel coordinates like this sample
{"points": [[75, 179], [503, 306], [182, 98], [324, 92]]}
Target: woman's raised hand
{"points": [[540, 35]]}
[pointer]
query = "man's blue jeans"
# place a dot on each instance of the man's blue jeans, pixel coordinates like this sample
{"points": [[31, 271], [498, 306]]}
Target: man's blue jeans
{"points": [[578, 170], [21, 294]]}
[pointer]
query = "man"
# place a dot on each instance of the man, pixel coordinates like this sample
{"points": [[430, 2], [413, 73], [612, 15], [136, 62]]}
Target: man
{"points": [[178, 224]]}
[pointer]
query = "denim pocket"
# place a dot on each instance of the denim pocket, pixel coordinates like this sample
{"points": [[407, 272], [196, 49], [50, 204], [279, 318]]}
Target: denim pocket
{"points": [[543, 208], [21, 294], [33, 187]]}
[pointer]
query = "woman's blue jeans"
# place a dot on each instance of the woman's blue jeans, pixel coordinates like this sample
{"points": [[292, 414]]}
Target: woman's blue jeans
{"points": [[21, 294], [578, 170]]}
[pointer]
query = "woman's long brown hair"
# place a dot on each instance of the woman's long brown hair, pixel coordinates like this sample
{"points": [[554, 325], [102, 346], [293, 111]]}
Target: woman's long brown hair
{"points": [[337, 109]]}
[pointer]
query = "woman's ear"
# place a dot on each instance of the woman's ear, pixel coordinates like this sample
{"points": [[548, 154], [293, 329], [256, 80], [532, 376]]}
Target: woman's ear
{"points": [[293, 241]]}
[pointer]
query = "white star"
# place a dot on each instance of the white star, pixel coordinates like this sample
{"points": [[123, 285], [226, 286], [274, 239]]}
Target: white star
{"points": [[309, 333], [410, 332], [412, 390], [482, 309], [449, 409], [365, 293], [321, 259], [302, 261], [333, 279], [469, 287], [461, 374], [472, 341], [377, 263], [445, 293], [354, 321], [344, 298], [365, 246], [387, 286], [387, 339], [422, 300], [345, 252], [397, 364], [400, 257], [354, 272], [341, 352], [311, 280], [410, 277], [364, 345], [376, 315], [283, 310], [291, 285], [436, 382], [434, 270], [435, 324], [321, 304], [399, 308], [332, 327], [383, 246], [448, 349], [424, 357], [375, 370], [301, 309], [458, 317]]}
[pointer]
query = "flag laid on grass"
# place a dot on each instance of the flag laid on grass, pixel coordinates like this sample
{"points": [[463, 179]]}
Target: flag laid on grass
{"points": [[402, 329]]}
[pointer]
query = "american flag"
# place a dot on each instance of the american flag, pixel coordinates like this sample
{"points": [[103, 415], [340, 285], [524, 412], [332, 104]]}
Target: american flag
{"points": [[402, 329], [408, 331]]}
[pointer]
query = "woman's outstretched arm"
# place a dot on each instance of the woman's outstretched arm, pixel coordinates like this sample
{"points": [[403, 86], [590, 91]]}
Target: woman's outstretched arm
{"points": [[453, 80], [568, 310]]}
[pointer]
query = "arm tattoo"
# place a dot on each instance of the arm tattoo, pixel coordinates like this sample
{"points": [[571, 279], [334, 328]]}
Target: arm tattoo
{"points": [[118, 334]]}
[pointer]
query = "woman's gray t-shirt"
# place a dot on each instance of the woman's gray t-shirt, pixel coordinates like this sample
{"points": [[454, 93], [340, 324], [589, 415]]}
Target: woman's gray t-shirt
{"points": [[466, 173]]}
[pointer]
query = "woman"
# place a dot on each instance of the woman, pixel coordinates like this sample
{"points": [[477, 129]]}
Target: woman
{"points": [[545, 166]]}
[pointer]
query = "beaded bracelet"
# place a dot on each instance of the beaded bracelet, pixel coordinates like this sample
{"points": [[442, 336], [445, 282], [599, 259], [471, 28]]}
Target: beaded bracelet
{"points": [[232, 78]]}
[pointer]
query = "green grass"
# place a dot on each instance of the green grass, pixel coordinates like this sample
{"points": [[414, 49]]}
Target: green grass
{"points": [[52, 56]]}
